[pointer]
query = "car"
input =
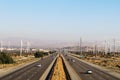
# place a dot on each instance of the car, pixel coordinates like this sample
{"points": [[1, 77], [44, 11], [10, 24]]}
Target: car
{"points": [[89, 72], [39, 65], [73, 60]]}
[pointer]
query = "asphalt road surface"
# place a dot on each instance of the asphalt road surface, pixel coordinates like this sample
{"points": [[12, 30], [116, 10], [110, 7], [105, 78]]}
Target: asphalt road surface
{"points": [[81, 69], [30, 72]]}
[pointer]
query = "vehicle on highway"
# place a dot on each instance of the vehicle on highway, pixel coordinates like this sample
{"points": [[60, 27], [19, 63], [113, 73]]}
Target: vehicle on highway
{"points": [[73, 60], [89, 72], [39, 65]]}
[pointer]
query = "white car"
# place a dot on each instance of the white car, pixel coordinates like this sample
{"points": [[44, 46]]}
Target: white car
{"points": [[39, 65], [73, 60], [89, 72]]}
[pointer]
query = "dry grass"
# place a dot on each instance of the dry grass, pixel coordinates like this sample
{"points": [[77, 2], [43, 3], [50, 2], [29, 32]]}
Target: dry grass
{"points": [[58, 72], [18, 61], [112, 63]]}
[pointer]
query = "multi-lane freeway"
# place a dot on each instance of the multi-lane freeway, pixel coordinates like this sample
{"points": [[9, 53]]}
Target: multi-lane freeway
{"points": [[34, 72], [30, 72], [81, 69]]}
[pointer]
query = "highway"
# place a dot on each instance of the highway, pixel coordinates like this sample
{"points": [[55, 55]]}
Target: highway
{"points": [[32, 71], [81, 69]]}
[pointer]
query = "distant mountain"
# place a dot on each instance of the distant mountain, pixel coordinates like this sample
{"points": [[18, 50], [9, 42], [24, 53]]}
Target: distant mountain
{"points": [[37, 43]]}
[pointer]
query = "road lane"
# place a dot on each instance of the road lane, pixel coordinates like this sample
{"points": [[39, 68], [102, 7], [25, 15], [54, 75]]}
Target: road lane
{"points": [[30, 72], [81, 69]]}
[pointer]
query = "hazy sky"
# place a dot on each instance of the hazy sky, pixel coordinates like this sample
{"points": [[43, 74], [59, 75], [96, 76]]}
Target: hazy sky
{"points": [[60, 19]]}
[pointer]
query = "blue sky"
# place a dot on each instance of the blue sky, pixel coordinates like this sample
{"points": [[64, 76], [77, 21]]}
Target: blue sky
{"points": [[63, 20]]}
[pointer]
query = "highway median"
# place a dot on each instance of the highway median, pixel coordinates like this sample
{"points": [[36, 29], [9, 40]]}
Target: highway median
{"points": [[60, 69]]}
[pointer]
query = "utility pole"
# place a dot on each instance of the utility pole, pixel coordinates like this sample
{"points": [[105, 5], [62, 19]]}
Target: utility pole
{"points": [[8, 44], [78, 47], [28, 44], [1, 45], [21, 47], [114, 46], [106, 47], [96, 49], [87, 49], [109, 47], [81, 47]]}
